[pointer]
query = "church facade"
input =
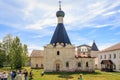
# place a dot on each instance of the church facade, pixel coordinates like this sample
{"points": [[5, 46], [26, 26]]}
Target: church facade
{"points": [[60, 54]]}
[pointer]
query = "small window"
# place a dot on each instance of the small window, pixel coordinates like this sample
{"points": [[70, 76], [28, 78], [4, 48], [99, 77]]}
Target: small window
{"points": [[86, 64], [67, 64], [114, 56], [41, 65], [79, 64], [119, 67], [105, 57], [58, 52], [101, 57], [83, 53], [114, 67], [110, 56], [119, 55], [36, 65]]}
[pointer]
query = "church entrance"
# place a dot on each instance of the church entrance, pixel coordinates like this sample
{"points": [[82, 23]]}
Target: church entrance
{"points": [[57, 67], [36, 65], [107, 65]]}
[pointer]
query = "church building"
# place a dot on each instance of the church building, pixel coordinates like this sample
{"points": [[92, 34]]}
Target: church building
{"points": [[60, 54]]}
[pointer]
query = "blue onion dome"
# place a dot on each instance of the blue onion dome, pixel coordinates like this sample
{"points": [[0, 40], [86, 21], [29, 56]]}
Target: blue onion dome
{"points": [[60, 13]]}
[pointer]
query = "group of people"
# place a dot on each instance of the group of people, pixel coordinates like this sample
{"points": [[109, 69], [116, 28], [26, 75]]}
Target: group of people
{"points": [[21, 75], [16, 75]]}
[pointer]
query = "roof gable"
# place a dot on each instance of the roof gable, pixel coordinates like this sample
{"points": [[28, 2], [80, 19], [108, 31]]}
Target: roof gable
{"points": [[37, 53]]}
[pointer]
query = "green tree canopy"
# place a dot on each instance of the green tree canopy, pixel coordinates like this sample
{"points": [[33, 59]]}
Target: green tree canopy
{"points": [[17, 55], [2, 58]]}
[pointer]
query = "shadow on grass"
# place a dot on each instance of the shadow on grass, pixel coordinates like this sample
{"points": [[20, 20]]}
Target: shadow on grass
{"points": [[71, 73], [65, 76]]}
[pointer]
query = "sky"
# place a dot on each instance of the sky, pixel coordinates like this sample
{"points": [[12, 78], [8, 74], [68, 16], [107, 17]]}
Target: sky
{"points": [[34, 21]]}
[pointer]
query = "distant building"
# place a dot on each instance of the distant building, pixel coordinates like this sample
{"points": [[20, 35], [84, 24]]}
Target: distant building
{"points": [[90, 51], [37, 59], [109, 58]]}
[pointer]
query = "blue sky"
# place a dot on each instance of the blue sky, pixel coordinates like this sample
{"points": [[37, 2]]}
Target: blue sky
{"points": [[34, 21]]}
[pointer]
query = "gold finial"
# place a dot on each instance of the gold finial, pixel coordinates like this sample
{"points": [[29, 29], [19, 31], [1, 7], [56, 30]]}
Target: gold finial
{"points": [[60, 5]]}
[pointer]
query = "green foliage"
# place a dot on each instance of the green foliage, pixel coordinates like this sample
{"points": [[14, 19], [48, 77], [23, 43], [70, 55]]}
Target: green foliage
{"points": [[17, 55], [24, 54], [2, 58]]}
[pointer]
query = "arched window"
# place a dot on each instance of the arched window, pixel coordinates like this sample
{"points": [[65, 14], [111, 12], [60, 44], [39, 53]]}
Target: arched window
{"points": [[119, 67], [67, 64], [100, 56], [114, 56], [36, 65], [41, 65], [104, 56], [58, 52], [79, 64], [114, 67], [110, 56], [87, 64]]}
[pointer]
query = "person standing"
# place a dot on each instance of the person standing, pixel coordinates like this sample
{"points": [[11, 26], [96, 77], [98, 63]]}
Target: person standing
{"points": [[13, 75], [0, 76], [25, 74], [19, 75], [31, 75], [80, 77], [42, 74], [5, 75]]}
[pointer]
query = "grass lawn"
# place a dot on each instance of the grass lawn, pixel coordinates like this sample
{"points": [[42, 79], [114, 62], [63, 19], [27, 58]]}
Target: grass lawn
{"points": [[98, 75]]}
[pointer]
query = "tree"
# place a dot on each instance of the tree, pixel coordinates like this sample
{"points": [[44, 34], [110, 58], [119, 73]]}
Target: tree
{"points": [[15, 55], [2, 58], [24, 55]]}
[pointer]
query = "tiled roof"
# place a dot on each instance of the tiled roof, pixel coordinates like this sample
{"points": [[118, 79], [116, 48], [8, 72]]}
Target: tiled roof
{"points": [[37, 53], [94, 47], [114, 47], [84, 45], [60, 35]]}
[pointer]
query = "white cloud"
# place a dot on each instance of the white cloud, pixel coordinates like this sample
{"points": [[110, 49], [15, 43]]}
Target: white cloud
{"points": [[118, 33], [34, 47], [40, 14], [37, 14], [109, 13], [43, 33], [41, 24], [104, 25], [103, 46]]}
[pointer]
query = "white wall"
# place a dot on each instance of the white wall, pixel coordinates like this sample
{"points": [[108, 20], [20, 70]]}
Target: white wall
{"points": [[116, 60]]}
